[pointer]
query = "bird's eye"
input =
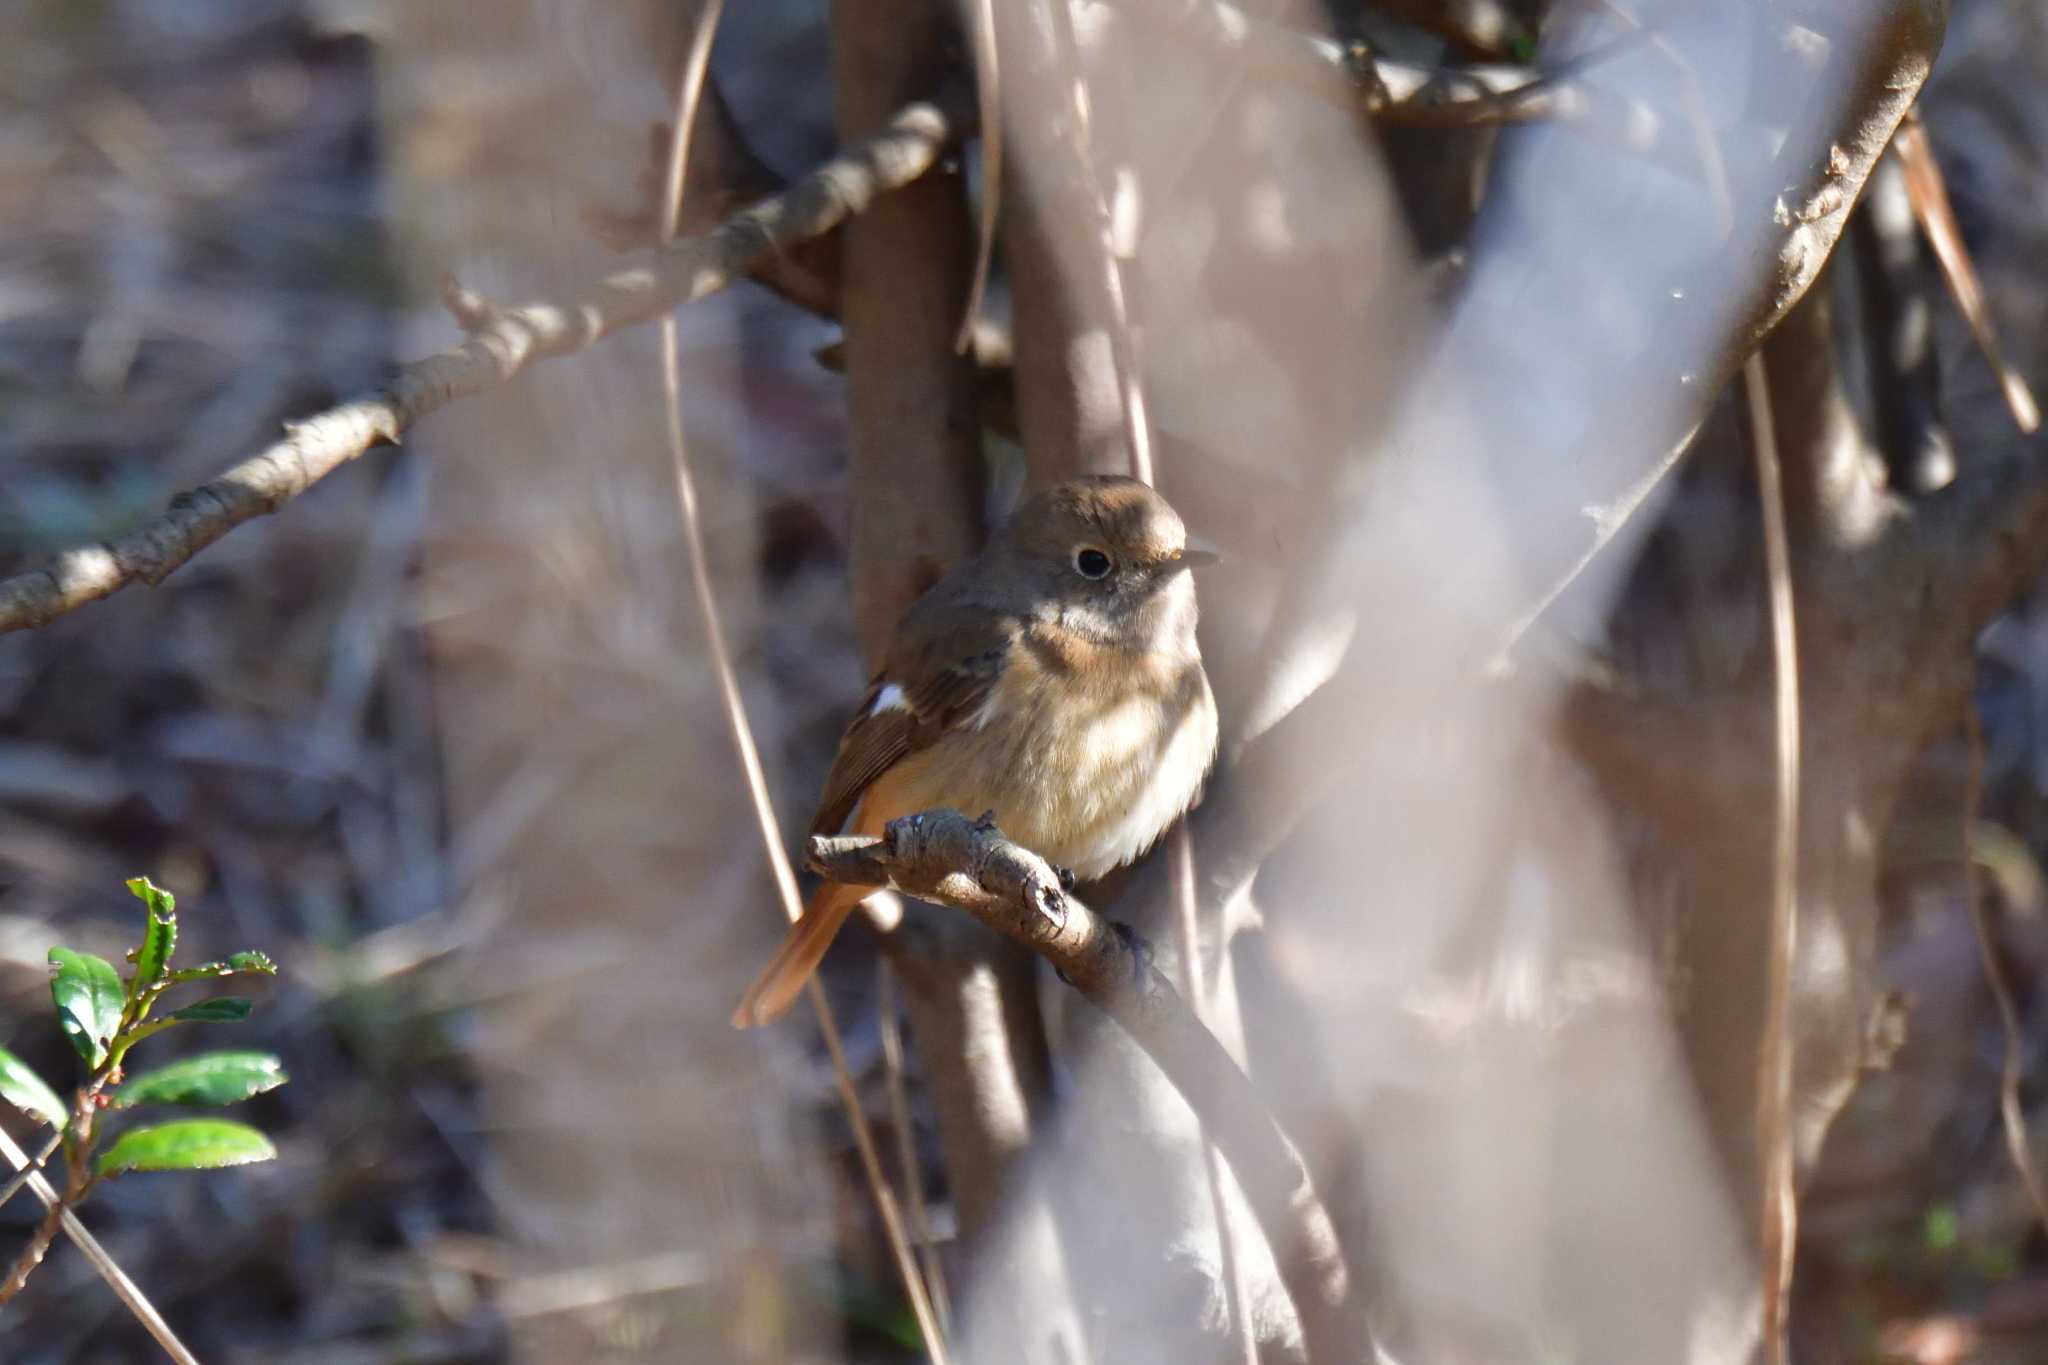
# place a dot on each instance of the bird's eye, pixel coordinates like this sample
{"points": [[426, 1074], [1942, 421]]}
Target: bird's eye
{"points": [[1091, 563]]}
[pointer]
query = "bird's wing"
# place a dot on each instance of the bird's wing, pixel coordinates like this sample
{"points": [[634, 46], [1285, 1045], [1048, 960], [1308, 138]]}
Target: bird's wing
{"points": [[918, 696]]}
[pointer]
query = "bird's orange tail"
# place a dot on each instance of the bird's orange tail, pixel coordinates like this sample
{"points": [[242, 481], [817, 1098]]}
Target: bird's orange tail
{"points": [[803, 948]]}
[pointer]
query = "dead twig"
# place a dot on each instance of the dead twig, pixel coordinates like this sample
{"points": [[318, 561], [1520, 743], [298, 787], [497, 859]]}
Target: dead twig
{"points": [[947, 858], [688, 89], [729, 175], [34, 1168], [1780, 1213], [1929, 191], [117, 1279], [891, 1030], [500, 345], [2013, 1065], [989, 96]]}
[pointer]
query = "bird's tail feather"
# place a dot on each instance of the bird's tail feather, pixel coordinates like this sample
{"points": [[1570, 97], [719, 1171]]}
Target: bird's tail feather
{"points": [[803, 948]]}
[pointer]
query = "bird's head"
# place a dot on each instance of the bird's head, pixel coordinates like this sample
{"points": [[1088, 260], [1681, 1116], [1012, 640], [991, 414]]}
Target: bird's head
{"points": [[1110, 558]]}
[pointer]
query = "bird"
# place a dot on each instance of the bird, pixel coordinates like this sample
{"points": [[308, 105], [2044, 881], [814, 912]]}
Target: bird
{"points": [[1052, 680]]}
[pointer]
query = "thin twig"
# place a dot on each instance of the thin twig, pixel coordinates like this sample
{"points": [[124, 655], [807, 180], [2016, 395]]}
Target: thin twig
{"points": [[1929, 191], [947, 858], [906, 1146], [989, 96], [117, 1279], [22, 1176], [501, 344], [1780, 1212], [688, 89], [2013, 1065], [805, 274]]}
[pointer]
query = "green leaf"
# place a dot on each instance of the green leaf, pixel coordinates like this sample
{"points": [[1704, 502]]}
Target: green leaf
{"points": [[88, 994], [21, 1087], [240, 964], [213, 1078], [186, 1145], [222, 1009], [160, 940]]}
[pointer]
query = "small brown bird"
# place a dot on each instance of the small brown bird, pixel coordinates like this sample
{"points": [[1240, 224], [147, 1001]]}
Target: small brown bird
{"points": [[1053, 679]]}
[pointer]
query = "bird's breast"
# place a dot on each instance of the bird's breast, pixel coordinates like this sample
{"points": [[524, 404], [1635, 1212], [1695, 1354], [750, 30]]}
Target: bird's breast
{"points": [[1085, 761]]}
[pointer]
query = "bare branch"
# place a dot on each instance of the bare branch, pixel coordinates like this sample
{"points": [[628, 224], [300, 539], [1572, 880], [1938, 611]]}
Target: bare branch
{"points": [[1814, 208], [945, 857], [727, 175], [501, 344]]}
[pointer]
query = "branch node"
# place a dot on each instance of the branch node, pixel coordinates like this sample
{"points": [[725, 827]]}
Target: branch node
{"points": [[472, 311]]}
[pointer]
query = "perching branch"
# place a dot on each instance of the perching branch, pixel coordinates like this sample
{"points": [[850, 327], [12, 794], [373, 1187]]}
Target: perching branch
{"points": [[945, 857], [501, 344]]}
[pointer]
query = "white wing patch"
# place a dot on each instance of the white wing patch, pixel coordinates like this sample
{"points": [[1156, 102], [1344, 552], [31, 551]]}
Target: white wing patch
{"points": [[890, 698]]}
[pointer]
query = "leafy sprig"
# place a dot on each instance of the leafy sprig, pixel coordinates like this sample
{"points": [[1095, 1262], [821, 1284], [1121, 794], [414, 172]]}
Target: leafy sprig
{"points": [[104, 1015]]}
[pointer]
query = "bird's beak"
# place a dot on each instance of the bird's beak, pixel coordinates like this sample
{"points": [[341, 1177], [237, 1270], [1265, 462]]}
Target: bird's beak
{"points": [[1198, 554]]}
